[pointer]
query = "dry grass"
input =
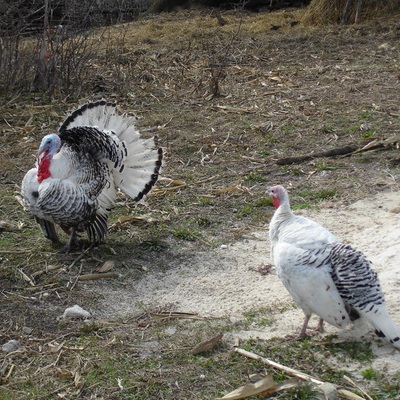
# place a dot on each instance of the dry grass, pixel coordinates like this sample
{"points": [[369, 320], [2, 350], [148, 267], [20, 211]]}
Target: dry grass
{"points": [[325, 12]]}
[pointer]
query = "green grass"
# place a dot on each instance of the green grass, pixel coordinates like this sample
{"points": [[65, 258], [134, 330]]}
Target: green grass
{"points": [[154, 244], [260, 317], [370, 374]]}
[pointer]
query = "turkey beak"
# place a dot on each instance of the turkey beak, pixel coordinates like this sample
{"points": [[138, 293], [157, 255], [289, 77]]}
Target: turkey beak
{"points": [[41, 152]]}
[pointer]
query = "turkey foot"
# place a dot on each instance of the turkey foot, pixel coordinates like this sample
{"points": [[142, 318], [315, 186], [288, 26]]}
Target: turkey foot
{"points": [[315, 331], [72, 241]]}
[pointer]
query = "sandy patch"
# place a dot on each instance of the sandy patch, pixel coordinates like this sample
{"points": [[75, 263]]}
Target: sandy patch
{"points": [[225, 282]]}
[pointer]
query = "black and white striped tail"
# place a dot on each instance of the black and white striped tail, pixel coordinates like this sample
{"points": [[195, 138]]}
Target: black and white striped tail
{"points": [[360, 289]]}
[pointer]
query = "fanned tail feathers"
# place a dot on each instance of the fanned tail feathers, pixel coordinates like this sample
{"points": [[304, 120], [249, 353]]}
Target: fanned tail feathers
{"points": [[140, 169], [141, 159], [99, 113]]}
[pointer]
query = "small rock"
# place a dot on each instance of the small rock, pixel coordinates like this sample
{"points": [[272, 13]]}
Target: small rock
{"points": [[224, 246], [76, 312], [171, 330], [11, 345], [329, 391], [26, 330]]}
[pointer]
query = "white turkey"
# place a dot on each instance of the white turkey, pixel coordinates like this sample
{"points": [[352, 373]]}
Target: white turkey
{"points": [[77, 172], [324, 276]]}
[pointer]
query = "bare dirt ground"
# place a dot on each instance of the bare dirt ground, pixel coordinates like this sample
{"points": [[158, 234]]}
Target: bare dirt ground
{"points": [[227, 102]]}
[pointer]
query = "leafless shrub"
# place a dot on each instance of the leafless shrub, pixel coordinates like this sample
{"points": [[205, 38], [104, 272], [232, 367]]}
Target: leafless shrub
{"points": [[63, 61], [46, 46], [219, 58]]}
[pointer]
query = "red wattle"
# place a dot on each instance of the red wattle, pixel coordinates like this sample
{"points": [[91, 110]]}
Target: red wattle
{"points": [[275, 202], [44, 168]]}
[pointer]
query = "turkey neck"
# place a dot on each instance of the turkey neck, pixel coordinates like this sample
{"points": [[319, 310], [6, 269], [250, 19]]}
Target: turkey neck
{"points": [[283, 215]]}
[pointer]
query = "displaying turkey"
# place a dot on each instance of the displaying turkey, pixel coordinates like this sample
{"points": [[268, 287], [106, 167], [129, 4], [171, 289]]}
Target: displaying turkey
{"points": [[77, 173], [326, 277]]}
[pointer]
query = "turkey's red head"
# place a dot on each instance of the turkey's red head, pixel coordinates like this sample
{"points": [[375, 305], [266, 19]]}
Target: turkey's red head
{"points": [[277, 193]]}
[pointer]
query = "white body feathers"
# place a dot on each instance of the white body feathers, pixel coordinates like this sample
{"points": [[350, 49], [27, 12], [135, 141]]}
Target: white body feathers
{"points": [[326, 277]]}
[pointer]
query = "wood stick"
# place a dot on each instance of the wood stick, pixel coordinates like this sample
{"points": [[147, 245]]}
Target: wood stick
{"points": [[26, 277], [288, 370], [92, 277], [349, 380]]}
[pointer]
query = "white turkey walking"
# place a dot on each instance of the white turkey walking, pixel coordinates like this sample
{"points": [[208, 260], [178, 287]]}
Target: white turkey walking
{"points": [[326, 277], [77, 173]]}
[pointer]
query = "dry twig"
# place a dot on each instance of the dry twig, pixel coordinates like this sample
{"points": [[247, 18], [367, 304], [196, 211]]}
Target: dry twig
{"points": [[101, 275], [298, 374]]}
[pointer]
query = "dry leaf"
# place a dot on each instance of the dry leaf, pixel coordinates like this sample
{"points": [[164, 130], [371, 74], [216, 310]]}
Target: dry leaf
{"points": [[235, 188], [78, 380], [264, 386], [177, 182], [64, 373], [251, 389], [132, 219], [55, 347], [107, 266], [275, 78], [349, 395], [208, 344]]}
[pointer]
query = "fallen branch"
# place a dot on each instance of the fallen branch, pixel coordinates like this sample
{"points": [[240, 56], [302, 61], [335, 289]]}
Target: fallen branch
{"points": [[81, 255], [26, 277], [343, 151], [46, 270], [10, 371], [237, 110], [340, 151], [347, 379], [15, 251]]}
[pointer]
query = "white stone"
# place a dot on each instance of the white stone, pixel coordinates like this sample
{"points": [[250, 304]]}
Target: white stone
{"points": [[76, 312], [11, 345]]}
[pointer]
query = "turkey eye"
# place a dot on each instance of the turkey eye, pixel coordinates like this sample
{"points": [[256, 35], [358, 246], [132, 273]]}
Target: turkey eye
{"points": [[35, 194]]}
